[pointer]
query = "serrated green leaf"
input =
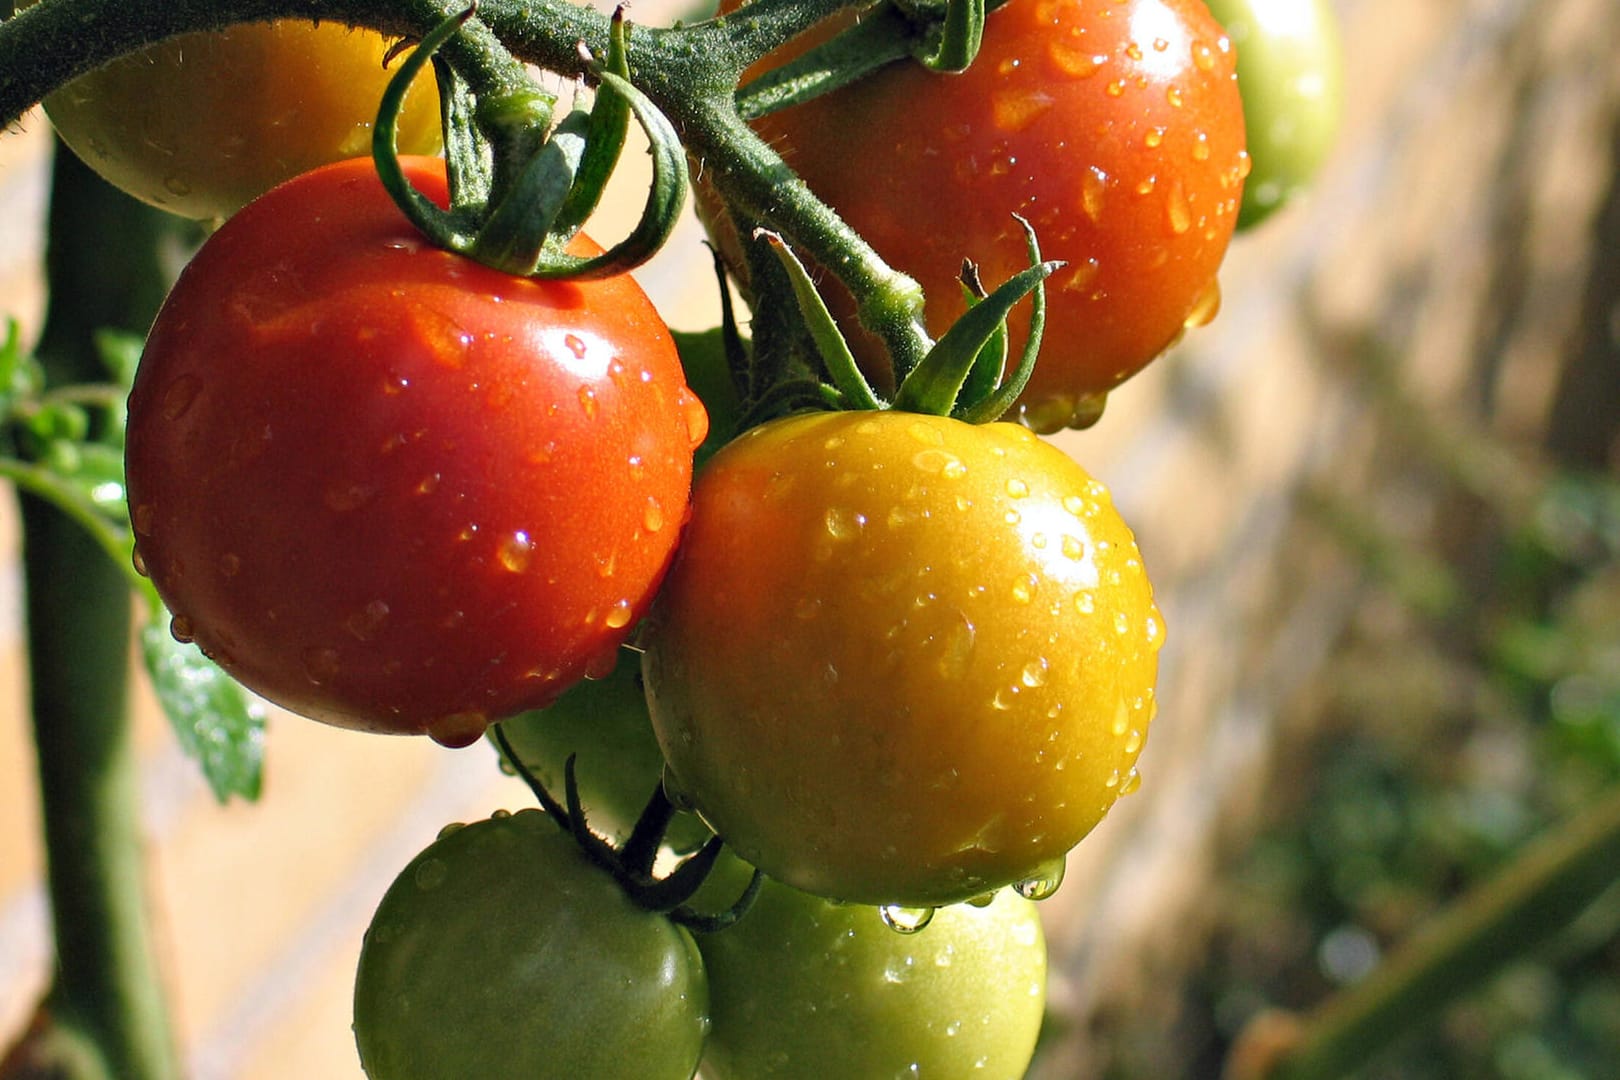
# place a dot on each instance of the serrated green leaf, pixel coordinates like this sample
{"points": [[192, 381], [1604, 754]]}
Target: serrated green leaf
{"points": [[217, 722]]}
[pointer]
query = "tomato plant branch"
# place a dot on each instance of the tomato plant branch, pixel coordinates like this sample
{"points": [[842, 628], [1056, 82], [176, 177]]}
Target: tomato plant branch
{"points": [[1533, 898], [688, 72], [106, 989]]}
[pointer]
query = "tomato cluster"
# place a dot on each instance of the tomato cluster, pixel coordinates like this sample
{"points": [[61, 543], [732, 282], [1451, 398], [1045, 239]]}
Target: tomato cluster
{"points": [[895, 661]]}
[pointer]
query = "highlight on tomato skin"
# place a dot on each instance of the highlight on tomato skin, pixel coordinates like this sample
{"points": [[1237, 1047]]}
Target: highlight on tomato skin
{"points": [[1116, 129], [394, 490], [201, 124], [901, 660]]}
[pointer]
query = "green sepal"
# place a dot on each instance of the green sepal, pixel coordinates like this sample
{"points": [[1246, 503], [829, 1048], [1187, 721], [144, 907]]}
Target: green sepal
{"points": [[955, 44], [515, 235], [829, 340], [935, 385], [604, 141], [666, 196], [992, 360]]}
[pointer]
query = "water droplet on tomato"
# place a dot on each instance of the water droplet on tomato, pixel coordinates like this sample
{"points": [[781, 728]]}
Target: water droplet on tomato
{"points": [[587, 401], [1131, 783], [697, 417], [515, 552], [430, 874], [320, 665], [1035, 672], [1206, 307], [1133, 741], [138, 561], [1178, 211], [1014, 110], [618, 615], [1043, 883], [1017, 489], [181, 629], [652, 518], [843, 523], [903, 920], [1203, 56], [458, 729], [180, 395], [1173, 95], [983, 900], [451, 827], [176, 185], [364, 624]]}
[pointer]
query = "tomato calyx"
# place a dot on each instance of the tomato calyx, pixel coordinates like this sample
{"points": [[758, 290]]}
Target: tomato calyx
{"points": [[520, 188], [961, 374], [632, 864]]}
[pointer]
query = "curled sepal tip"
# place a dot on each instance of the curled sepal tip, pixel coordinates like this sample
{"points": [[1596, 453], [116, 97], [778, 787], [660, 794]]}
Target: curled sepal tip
{"points": [[435, 223], [666, 195], [935, 385], [955, 44]]}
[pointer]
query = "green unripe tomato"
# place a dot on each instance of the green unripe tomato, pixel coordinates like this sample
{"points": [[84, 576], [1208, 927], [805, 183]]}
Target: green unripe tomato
{"points": [[502, 952], [603, 724], [1291, 75], [807, 989]]}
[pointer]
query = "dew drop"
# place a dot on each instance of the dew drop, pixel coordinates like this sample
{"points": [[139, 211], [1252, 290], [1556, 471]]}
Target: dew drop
{"points": [[452, 827], [1206, 307], [653, 517], [1035, 672], [138, 561], [1005, 699], [618, 616], [1093, 185], [1133, 741], [1179, 212], [430, 874], [1014, 110], [180, 395], [181, 629], [516, 552], [940, 463], [428, 484], [1134, 51], [1174, 97], [1122, 623], [905, 920], [843, 523], [983, 900], [1074, 60], [587, 401], [458, 729], [1116, 88], [1043, 883], [320, 665], [1131, 783], [1200, 150], [1154, 138], [1017, 489], [697, 417], [575, 345]]}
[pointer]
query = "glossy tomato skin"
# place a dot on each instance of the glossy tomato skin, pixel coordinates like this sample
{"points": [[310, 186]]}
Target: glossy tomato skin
{"points": [[804, 989], [202, 123], [1115, 128], [392, 489], [1291, 74], [500, 951], [602, 724], [901, 659]]}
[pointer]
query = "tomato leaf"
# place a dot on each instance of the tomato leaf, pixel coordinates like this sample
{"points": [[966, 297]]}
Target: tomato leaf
{"points": [[216, 721]]}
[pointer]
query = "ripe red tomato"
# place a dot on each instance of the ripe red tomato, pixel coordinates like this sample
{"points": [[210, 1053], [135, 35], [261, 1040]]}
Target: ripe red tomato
{"points": [[390, 488], [901, 659], [1114, 127], [202, 123]]}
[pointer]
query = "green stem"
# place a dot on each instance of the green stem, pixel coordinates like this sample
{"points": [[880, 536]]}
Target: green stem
{"points": [[1533, 898], [689, 72], [107, 988]]}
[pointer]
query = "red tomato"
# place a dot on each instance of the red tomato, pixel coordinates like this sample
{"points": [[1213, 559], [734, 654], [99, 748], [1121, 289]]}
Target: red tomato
{"points": [[390, 488], [1113, 126]]}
